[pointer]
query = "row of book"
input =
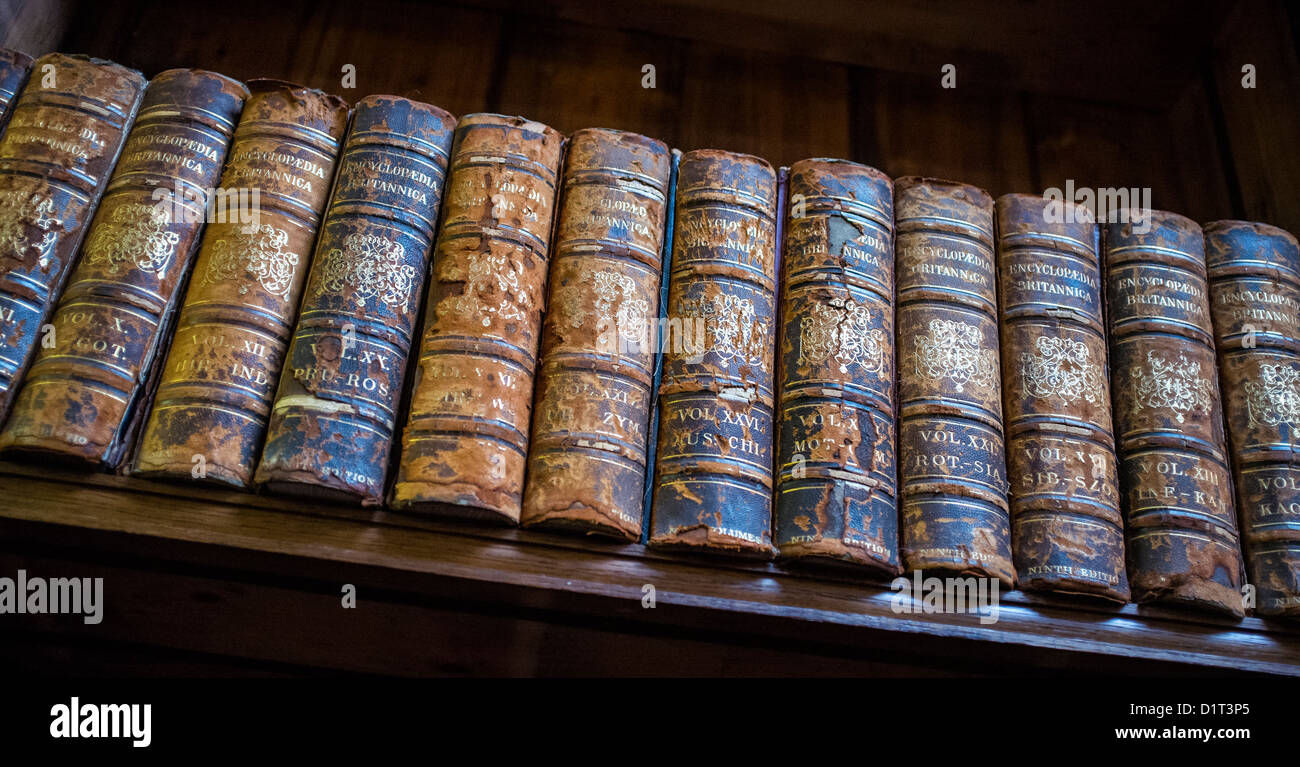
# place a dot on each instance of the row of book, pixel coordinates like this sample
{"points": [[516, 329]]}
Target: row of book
{"points": [[203, 280]]}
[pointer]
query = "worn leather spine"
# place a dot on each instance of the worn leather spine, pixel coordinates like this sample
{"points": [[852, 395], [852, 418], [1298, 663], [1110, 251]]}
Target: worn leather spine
{"points": [[714, 459], [64, 136], [83, 392], [466, 438], [836, 472], [1254, 272], [210, 412], [665, 274], [1180, 519], [587, 457], [14, 69], [1067, 531], [331, 428], [951, 455]]}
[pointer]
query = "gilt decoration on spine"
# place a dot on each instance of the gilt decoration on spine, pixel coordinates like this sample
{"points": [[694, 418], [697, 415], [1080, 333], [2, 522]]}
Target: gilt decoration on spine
{"points": [[714, 459], [211, 408], [1180, 517], [587, 461], [466, 437], [1254, 272], [952, 461], [1066, 527], [84, 392], [836, 492], [335, 411], [65, 132]]}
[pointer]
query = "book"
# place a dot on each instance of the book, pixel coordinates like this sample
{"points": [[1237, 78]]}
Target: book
{"points": [[714, 458], [213, 400], [64, 135], [652, 436], [836, 473], [331, 427], [587, 456], [1180, 518], [1254, 273], [466, 436], [1067, 531], [83, 393], [15, 66], [951, 455]]}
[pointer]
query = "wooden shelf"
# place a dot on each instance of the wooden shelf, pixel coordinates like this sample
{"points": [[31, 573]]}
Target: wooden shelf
{"points": [[206, 571]]}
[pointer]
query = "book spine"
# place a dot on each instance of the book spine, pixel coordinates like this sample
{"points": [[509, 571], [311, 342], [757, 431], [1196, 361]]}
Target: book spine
{"points": [[1254, 272], [836, 487], [213, 400], [466, 437], [1180, 518], [661, 298], [83, 391], [951, 455], [587, 460], [714, 459], [1067, 531], [64, 136], [331, 427], [14, 69]]}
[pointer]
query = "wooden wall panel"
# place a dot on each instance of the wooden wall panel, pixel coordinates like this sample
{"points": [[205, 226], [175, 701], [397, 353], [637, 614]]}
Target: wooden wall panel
{"points": [[243, 39], [572, 76], [1194, 146], [437, 54], [35, 27], [909, 125], [1103, 146], [782, 109], [433, 53], [1262, 124], [1112, 50]]}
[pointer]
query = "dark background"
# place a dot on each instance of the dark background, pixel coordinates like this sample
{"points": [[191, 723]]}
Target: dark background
{"points": [[1110, 93]]}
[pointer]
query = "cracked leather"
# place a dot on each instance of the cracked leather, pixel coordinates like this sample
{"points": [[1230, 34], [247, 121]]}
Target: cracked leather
{"points": [[836, 497], [587, 458], [212, 405], [952, 461], [1180, 518], [335, 411], [714, 457], [1254, 272]]}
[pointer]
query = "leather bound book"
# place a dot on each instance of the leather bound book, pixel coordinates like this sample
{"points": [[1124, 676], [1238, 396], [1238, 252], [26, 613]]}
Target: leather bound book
{"points": [[652, 436], [836, 481], [951, 457], [1254, 274], [212, 404], [83, 392], [335, 411], [64, 136], [714, 459], [1067, 532], [14, 68], [587, 460], [466, 437], [1180, 519]]}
